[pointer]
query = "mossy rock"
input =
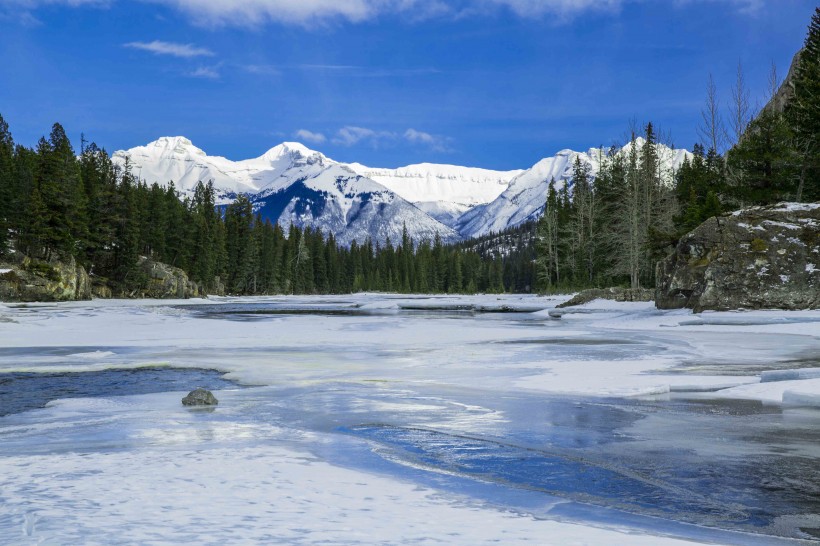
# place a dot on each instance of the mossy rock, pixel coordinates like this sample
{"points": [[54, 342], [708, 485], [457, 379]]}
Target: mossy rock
{"points": [[759, 245]]}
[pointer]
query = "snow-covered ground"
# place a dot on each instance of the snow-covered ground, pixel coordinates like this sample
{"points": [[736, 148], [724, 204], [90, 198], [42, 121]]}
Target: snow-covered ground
{"points": [[285, 460]]}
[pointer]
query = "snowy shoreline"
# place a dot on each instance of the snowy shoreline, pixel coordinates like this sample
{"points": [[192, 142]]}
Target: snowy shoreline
{"points": [[145, 469], [631, 378]]}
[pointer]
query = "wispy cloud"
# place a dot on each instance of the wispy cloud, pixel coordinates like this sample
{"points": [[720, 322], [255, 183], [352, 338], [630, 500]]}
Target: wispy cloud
{"points": [[158, 47], [352, 135], [331, 67], [255, 13], [72, 3], [436, 143], [206, 72], [21, 11], [538, 8], [310, 136], [262, 69], [368, 71], [258, 12]]}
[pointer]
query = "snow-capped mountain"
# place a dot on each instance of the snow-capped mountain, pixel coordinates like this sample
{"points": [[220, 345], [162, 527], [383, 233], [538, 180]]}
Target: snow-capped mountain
{"points": [[289, 184], [526, 194], [445, 192], [323, 194]]}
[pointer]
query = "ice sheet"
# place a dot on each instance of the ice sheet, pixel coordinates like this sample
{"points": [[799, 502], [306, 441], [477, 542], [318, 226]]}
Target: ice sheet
{"points": [[144, 469]]}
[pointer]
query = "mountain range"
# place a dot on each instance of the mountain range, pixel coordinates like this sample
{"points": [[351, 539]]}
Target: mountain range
{"points": [[291, 183]]}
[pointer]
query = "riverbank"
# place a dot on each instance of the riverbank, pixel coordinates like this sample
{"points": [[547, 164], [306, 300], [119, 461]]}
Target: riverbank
{"points": [[392, 419]]}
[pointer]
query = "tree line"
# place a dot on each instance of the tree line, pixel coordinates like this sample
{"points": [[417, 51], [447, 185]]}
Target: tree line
{"points": [[613, 232], [56, 204], [605, 228]]}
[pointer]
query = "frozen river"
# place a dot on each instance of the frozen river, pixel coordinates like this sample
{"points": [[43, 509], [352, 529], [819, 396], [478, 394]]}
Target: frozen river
{"points": [[398, 420]]}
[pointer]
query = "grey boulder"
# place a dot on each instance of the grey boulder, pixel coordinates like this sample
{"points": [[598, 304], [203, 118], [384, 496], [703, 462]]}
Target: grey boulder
{"points": [[200, 397]]}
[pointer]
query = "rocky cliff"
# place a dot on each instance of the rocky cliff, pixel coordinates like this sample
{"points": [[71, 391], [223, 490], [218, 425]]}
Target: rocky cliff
{"points": [[757, 258], [786, 90], [165, 281], [25, 279]]}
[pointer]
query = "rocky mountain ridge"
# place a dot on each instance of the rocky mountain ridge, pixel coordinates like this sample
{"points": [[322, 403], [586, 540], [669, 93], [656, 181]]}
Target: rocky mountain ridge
{"points": [[293, 184]]}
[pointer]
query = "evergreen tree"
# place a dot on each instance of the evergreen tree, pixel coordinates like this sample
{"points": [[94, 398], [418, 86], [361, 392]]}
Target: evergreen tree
{"points": [[803, 115], [547, 237], [240, 246], [7, 189], [762, 165]]}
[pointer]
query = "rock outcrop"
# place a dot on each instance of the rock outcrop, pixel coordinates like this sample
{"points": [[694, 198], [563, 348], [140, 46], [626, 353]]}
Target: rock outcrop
{"points": [[785, 92], [615, 294], [24, 279], [757, 258], [165, 281], [200, 397]]}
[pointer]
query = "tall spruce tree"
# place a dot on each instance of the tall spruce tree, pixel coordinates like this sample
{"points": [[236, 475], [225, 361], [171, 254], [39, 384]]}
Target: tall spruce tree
{"points": [[6, 184], [803, 115]]}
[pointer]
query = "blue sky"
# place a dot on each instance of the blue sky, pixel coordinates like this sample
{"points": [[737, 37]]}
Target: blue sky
{"points": [[489, 83]]}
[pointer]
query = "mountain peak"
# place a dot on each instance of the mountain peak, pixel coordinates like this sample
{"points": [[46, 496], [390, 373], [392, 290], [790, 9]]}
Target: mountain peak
{"points": [[294, 150], [174, 144]]}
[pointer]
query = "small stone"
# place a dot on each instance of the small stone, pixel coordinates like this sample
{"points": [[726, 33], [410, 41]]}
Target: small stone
{"points": [[200, 397]]}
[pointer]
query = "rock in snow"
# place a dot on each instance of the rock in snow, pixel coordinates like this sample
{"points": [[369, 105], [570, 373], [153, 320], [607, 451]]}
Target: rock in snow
{"points": [[614, 294], [25, 279], [200, 397], [757, 258]]}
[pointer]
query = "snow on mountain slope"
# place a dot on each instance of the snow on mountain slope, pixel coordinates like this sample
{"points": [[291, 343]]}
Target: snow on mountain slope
{"points": [[289, 184], [337, 200], [526, 194], [177, 159], [443, 191]]}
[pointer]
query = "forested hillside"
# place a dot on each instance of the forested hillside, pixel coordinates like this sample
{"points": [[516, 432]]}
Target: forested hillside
{"points": [[55, 203], [613, 231], [602, 230]]}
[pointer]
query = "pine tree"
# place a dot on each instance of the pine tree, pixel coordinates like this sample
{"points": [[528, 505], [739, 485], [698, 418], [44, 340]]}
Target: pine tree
{"points": [[762, 166], [240, 245], [58, 182], [6, 184], [126, 243], [100, 186], [803, 114], [547, 234]]}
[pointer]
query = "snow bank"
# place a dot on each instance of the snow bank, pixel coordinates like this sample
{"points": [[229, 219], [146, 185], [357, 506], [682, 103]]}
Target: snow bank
{"points": [[623, 378], [807, 395], [789, 375]]}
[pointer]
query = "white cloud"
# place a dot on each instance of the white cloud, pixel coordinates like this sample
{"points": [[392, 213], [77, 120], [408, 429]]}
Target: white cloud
{"points": [[569, 8], [435, 142], [71, 3], [207, 72], [310, 136], [261, 69], [158, 47], [257, 12], [530, 8], [254, 13], [351, 135], [745, 6], [21, 10]]}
